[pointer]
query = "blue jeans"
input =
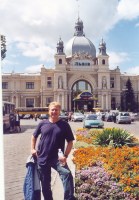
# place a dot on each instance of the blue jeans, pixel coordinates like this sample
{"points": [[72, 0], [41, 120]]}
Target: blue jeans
{"points": [[65, 176]]}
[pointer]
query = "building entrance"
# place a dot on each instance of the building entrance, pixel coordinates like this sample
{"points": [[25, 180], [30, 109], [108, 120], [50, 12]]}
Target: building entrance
{"points": [[82, 94], [83, 105], [82, 97]]}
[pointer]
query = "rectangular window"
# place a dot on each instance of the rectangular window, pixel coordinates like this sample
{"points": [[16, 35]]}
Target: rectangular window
{"points": [[49, 82], [30, 102], [49, 100], [29, 85], [112, 82], [4, 85]]}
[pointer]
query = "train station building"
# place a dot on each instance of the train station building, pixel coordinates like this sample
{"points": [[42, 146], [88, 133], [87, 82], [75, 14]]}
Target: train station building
{"points": [[80, 80]]}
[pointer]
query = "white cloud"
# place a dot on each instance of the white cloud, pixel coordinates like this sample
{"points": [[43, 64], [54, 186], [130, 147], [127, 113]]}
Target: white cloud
{"points": [[133, 70], [44, 53], [35, 26], [128, 9], [33, 69], [116, 58], [49, 19]]}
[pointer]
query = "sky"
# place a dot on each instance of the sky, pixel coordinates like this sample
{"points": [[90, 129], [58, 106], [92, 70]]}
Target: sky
{"points": [[33, 28]]}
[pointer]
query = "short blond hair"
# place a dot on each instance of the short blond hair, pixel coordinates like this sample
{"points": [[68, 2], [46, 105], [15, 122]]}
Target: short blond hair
{"points": [[54, 103]]}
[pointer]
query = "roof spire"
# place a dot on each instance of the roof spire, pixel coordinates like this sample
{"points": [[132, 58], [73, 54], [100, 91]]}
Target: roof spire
{"points": [[102, 47], [79, 25], [78, 8], [60, 46]]}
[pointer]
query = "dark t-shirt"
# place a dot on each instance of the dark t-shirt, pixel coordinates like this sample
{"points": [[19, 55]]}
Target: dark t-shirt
{"points": [[53, 136]]}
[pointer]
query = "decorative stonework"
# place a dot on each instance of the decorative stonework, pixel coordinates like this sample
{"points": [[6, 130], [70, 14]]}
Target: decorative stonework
{"points": [[82, 56], [104, 82]]}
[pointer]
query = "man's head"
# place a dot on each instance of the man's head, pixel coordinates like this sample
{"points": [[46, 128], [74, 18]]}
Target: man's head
{"points": [[54, 111], [54, 103]]}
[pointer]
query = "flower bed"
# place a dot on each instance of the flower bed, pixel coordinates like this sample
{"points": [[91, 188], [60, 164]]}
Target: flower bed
{"points": [[106, 171]]}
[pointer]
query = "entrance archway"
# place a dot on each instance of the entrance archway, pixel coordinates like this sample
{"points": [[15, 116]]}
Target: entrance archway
{"points": [[82, 96]]}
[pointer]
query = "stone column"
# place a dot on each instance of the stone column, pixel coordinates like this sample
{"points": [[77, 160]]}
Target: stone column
{"points": [[102, 102], [107, 105]]}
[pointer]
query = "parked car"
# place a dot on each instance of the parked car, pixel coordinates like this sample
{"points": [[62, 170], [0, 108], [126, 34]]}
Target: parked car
{"points": [[43, 116], [123, 117], [92, 121], [108, 117], [27, 116], [134, 116], [21, 116], [63, 116], [77, 116]]}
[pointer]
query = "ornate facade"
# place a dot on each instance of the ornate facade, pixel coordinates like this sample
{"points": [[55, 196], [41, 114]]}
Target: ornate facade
{"points": [[77, 70]]}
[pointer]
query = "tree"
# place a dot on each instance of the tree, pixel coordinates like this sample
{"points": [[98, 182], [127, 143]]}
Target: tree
{"points": [[130, 103], [3, 47], [122, 101]]}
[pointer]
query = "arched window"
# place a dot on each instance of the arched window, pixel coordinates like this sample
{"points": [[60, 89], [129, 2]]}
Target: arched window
{"points": [[103, 62], [81, 86], [60, 61]]}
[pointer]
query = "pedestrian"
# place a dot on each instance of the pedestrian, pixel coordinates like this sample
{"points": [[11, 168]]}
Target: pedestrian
{"points": [[35, 116], [12, 121], [17, 122], [54, 132], [114, 117], [69, 116]]}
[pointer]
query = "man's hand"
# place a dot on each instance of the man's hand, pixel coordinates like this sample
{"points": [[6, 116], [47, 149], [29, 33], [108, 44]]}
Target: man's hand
{"points": [[34, 152], [63, 160], [33, 144]]}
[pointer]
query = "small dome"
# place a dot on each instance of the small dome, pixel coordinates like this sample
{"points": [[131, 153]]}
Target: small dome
{"points": [[80, 44], [79, 22], [60, 42]]}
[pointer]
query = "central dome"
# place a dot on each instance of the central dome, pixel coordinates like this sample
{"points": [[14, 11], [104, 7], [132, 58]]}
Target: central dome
{"points": [[79, 43]]}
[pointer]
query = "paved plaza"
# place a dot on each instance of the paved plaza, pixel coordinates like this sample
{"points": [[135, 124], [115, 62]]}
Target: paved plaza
{"points": [[16, 151]]}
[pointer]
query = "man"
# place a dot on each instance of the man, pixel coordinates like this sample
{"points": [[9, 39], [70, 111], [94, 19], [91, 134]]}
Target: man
{"points": [[54, 132], [17, 122]]}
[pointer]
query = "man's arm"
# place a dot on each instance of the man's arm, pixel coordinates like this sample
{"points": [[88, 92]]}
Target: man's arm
{"points": [[67, 152], [68, 148], [33, 144]]}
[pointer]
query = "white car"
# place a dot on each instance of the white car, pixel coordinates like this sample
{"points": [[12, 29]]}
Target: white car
{"points": [[43, 116], [123, 117], [134, 116], [77, 116], [27, 116]]}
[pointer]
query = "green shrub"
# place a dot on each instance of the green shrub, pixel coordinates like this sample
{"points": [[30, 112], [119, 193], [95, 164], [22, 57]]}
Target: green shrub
{"points": [[115, 137]]}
